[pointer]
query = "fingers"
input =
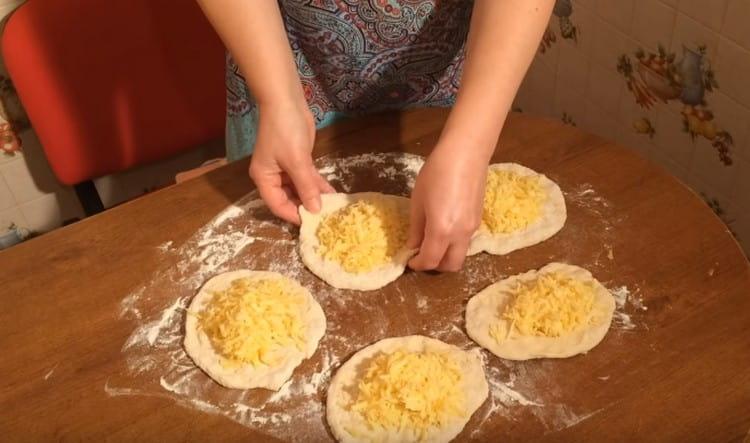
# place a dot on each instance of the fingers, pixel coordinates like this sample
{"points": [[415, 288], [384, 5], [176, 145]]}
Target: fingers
{"points": [[306, 181], [276, 194], [454, 257], [416, 226], [323, 184], [280, 201], [431, 251]]}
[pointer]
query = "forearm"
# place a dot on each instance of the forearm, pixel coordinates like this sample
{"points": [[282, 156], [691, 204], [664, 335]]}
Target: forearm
{"points": [[503, 38], [254, 33]]}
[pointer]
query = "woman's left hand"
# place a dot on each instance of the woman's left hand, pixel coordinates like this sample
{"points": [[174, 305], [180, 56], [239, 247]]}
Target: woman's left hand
{"points": [[446, 207]]}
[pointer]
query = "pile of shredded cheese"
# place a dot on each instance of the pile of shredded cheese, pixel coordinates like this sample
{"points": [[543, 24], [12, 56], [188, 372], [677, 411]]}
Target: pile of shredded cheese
{"points": [[511, 201], [363, 235], [549, 306], [410, 390], [253, 318]]}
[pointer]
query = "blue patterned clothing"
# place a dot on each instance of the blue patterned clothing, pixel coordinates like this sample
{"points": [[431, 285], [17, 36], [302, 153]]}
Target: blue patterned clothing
{"points": [[357, 56]]}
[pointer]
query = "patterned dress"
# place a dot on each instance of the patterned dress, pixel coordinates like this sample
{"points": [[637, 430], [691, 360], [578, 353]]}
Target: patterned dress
{"points": [[356, 56]]}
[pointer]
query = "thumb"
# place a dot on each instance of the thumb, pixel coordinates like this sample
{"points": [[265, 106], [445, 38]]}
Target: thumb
{"points": [[416, 226], [305, 183]]}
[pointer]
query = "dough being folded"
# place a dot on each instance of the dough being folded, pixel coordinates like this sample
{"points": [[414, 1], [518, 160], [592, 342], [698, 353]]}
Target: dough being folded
{"points": [[548, 218], [569, 313], [356, 241], [257, 331], [405, 389]]}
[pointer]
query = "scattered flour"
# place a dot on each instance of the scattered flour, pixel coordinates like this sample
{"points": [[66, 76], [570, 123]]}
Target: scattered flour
{"points": [[246, 235], [50, 372]]}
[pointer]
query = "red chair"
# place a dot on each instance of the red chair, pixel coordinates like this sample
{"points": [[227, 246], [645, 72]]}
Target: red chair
{"points": [[109, 85]]}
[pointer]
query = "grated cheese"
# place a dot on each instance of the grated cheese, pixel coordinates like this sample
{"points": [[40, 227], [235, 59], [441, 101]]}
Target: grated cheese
{"points": [[252, 319], [363, 235], [550, 306], [511, 201], [410, 390]]}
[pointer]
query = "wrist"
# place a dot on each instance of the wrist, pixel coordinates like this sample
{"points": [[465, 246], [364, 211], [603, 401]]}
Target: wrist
{"points": [[471, 134]]}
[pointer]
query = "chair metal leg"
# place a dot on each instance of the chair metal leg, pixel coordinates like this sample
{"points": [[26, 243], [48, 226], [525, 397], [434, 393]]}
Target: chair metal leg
{"points": [[89, 198]]}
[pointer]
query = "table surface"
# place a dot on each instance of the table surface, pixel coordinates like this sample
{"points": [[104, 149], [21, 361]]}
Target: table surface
{"points": [[674, 368]]}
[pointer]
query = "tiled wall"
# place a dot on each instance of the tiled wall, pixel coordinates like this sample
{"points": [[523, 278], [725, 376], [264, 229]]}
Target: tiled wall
{"points": [[32, 198], [668, 78]]}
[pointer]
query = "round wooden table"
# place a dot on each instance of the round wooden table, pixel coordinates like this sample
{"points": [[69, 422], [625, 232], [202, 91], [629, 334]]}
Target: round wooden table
{"points": [[674, 367]]}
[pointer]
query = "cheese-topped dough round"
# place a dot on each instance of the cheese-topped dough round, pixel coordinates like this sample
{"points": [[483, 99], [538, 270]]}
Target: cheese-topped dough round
{"points": [[556, 312], [521, 208], [250, 329], [356, 241], [401, 389]]}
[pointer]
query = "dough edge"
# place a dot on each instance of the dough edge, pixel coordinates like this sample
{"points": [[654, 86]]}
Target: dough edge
{"points": [[475, 386], [199, 348], [481, 309], [554, 214], [331, 272]]}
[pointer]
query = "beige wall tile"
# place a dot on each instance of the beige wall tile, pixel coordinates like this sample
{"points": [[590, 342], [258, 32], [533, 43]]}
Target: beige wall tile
{"points": [[12, 215], [598, 121], [605, 88], [569, 101], [573, 69], [709, 12], [630, 111], [617, 12], [50, 211], [733, 71], [690, 33], [707, 166], [735, 25], [740, 189], [589, 4], [6, 197], [608, 44], [541, 87], [680, 172], [583, 19], [640, 143], [670, 139], [550, 57], [5, 158], [22, 183], [653, 23], [732, 117]]}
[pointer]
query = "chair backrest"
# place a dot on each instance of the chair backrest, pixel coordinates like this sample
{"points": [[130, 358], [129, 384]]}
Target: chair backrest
{"points": [[111, 84]]}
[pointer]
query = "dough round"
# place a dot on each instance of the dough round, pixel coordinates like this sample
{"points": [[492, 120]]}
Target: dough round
{"points": [[343, 391], [333, 273], [483, 309], [198, 346], [551, 221]]}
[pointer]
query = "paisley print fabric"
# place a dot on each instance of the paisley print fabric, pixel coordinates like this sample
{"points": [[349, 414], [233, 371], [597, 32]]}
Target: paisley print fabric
{"points": [[356, 56]]}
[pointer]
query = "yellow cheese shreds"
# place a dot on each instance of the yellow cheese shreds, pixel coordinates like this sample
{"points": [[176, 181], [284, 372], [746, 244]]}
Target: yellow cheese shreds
{"points": [[549, 306], [410, 390], [363, 235], [253, 318], [511, 201]]}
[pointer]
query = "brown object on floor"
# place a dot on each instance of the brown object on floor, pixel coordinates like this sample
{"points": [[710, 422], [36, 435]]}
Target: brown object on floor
{"points": [[200, 170], [680, 375]]}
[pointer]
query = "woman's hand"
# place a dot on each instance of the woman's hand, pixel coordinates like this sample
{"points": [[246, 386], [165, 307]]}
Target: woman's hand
{"points": [[282, 166], [446, 207]]}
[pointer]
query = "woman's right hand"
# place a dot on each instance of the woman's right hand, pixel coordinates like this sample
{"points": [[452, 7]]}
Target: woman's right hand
{"points": [[281, 164]]}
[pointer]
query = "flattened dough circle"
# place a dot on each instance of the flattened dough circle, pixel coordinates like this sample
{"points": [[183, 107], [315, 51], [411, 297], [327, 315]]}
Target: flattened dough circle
{"points": [[342, 391], [332, 272], [551, 221], [482, 310], [198, 345]]}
